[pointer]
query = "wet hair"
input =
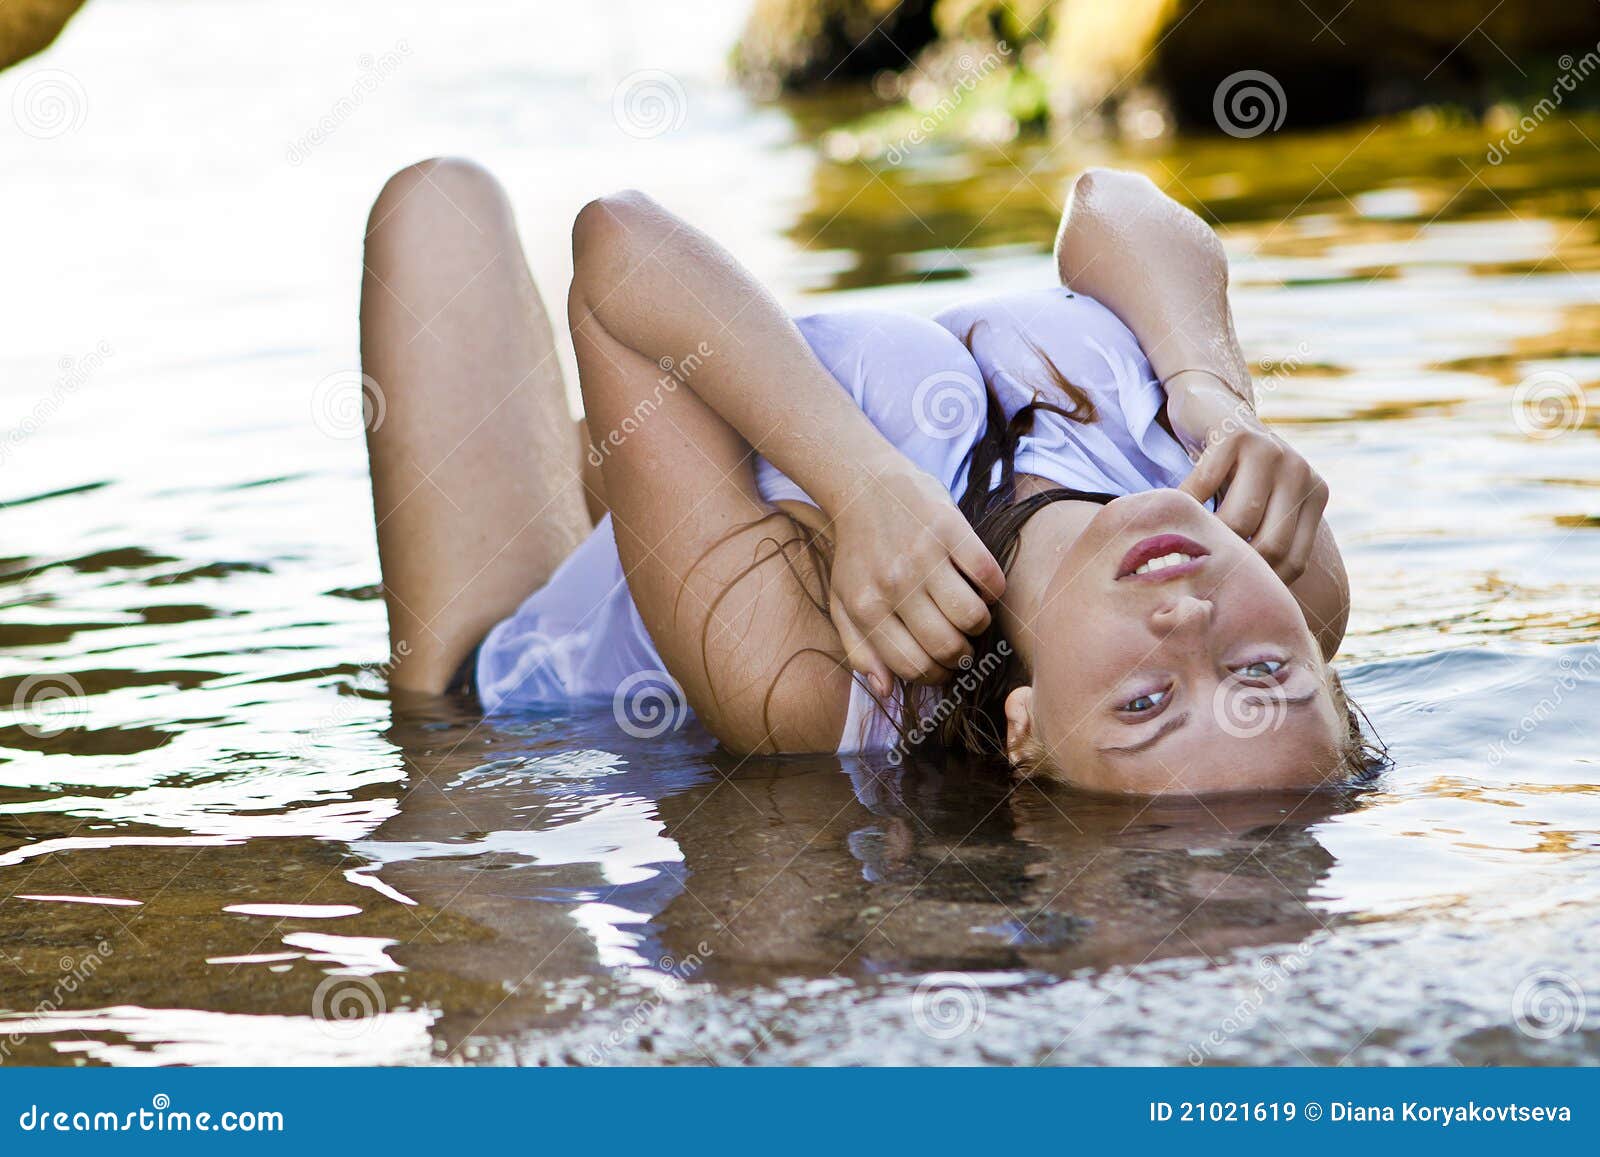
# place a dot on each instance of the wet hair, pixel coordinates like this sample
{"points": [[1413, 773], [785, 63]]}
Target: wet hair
{"points": [[971, 711]]}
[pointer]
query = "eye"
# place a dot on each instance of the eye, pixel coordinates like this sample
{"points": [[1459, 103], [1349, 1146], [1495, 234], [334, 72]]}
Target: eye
{"points": [[1143, 703], [1261, 669]]}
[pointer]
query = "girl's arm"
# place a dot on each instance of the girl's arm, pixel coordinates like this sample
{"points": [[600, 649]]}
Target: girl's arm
{"points": [[654, 300], [1162, 270]]}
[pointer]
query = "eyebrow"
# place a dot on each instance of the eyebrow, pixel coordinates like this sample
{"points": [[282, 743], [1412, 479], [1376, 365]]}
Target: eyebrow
{"points": [[1172, 725], [1166, 729]]}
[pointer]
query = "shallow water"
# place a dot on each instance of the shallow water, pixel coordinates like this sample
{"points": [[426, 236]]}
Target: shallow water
{"points": [[310, 873]]}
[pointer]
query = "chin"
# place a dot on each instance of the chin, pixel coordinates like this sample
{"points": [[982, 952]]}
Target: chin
{"points": [[1135, 516]]}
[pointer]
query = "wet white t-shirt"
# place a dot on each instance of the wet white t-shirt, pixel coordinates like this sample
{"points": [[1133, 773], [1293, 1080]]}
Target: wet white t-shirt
{"points": [[580, 638]]}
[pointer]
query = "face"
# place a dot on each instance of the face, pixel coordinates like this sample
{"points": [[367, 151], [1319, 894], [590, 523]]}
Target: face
{"points": [[1190, 667]]}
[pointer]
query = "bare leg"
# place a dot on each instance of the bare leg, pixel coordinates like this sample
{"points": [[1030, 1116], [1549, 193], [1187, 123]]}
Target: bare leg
{"points": [[476, 463]]}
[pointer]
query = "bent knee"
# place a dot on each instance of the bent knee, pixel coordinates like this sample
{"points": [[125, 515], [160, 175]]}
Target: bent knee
{"points": [[434, 192]]}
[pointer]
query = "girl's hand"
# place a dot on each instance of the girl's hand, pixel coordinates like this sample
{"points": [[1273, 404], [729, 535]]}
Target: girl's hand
{"points": [[1270, 495], [910, 580]]}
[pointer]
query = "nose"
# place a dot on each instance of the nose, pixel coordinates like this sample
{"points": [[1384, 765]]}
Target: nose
{"points": [[1183, 614]]}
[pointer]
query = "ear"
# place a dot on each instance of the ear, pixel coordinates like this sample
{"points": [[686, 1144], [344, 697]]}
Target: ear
{"points": [[1019, 724]]}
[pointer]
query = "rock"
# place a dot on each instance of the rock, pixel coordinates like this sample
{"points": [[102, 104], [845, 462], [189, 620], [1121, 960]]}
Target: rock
{"points": [[797, 44], [1364, 60], [28, 26], [1242, 66]]}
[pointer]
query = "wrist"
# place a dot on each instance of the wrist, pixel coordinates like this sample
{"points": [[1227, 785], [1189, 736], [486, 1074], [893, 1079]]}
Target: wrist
{"points": [[1203, 408], [1202, 380], [856, 470]]}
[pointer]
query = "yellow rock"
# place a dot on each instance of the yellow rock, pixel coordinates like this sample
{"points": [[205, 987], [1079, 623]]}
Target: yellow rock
{"points": [[28, 26]]}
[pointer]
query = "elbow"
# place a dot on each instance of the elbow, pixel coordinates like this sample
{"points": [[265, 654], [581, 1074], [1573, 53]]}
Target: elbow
{"points": [[604, 225], [606, 234]]}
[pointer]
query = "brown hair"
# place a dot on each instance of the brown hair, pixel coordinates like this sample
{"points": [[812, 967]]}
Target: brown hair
{"points": [[971, 711]]}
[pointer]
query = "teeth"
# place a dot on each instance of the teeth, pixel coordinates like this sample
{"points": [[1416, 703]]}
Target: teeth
{"points": [[1163, 562]]}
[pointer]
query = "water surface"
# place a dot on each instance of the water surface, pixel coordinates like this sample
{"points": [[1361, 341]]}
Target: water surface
{"points": [[224, 843]]}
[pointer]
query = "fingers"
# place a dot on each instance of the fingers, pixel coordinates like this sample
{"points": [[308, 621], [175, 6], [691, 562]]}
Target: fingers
{"points": [[962, 607], [934, 633], [901, 651], [1249, 493], [1211, 471], [1276, 534], [858, 652], [1305, 535], [974, 560]]}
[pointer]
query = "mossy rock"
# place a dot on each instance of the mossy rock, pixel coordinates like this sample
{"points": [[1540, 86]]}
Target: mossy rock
{"points": [[28, 26], [1368, 60], [799, 44]]}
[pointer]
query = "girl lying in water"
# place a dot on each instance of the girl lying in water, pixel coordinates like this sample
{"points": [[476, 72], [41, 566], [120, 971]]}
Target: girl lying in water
{"points": [[855, 531]]}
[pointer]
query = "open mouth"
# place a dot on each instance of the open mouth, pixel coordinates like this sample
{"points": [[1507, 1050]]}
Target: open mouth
{"points": [[1160, 557]]}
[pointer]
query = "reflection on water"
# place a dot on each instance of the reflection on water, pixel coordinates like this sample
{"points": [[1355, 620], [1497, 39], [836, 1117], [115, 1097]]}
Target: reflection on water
{"points": [[220, 841]]}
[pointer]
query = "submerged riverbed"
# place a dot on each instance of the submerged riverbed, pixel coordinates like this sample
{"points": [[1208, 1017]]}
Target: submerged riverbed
{"points": [[221, 843]]}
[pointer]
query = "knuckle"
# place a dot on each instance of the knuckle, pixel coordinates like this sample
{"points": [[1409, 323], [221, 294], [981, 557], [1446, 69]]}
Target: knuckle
{"points": [[974, 622], [868, 605]]}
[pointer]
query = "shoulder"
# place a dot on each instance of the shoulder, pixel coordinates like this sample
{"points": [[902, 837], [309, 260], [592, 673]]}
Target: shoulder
{"points": [[882, 340], [1034, 314]]}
